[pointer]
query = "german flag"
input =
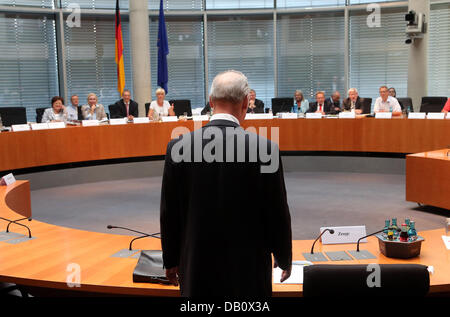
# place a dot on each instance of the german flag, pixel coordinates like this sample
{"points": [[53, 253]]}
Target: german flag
{"points": [[119, 52]]}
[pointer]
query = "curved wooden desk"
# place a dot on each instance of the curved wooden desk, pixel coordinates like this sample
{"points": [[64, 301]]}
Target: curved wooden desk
{"points": [[43, 262], [80, 144], [428, 178]]}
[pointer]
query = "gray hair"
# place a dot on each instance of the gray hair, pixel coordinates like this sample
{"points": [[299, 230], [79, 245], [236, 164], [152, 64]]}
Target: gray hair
{"points": [[352, 90], [230, 86]]}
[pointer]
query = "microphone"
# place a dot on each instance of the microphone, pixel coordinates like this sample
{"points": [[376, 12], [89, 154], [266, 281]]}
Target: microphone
{"points": [[389, 228], [144, 235], [19, 224], [330, 230]]}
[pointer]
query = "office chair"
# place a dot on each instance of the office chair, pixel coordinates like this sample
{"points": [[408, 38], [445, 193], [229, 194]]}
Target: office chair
{"points": [[282, 105], [39, 114], [432, 104], [147, 107], [13, 115], [181, 106], [406, 103], [114, 111], [366, 105], [354, 280]]}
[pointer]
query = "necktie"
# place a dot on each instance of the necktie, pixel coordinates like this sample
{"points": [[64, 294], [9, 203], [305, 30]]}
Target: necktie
{"points": [[320, 108]]}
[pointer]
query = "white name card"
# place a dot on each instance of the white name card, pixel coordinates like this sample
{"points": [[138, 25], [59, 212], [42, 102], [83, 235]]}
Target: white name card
{"points": [[313, 115], [118, 121], [7, 180], [141, 120], [200, 118], [383, 115], [347, 115], [20, 127], [56, 125], [417, 115], [342, 235], [90, 123], [436, 115], [287, 115], [39, 126], [169, 119], [260, 116]]}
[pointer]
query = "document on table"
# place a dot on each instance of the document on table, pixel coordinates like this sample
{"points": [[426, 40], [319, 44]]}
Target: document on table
{"points": [[446, 241], [296, 273]]}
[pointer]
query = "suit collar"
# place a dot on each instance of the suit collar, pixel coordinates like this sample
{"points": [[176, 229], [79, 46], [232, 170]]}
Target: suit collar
{"points": [[223, 123]]}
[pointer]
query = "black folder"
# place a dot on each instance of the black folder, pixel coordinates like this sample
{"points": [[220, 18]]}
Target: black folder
{"points": [[149, 268]]}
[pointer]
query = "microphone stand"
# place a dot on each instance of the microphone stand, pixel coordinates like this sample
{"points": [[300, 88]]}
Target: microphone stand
{"points": [[331, 232], [357, 245], [19, 224], [144, 235]]}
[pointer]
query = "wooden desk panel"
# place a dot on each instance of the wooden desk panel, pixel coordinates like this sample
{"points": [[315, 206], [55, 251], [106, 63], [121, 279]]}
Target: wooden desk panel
{"points": [[43, 262], [78, 144], [428, 178]]}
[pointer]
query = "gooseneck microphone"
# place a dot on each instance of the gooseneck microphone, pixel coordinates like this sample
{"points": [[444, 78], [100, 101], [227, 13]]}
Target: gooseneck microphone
{"points": [[389, 228], [19, 224], [331, 232], [144, 235]]}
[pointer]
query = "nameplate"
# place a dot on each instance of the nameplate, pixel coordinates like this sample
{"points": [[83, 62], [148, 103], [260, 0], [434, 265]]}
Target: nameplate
{"points": [[436, 115], [118, 121], [56, 125], [383, 115], [287, 115], [169, 119], [347, 115], [7, 180], [260, 116], [342, 235], [200, 118], [39, 126], [313, 115], [417, 115], [90, 123], [20, 127], [141, 120]]}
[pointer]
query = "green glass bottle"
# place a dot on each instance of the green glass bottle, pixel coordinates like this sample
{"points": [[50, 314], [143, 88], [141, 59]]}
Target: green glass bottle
{"points": [[387, 223], [394, 227], [412, 233], [407, 221]]}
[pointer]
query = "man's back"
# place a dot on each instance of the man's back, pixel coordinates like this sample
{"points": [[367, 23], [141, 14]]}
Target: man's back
{"points": [[220, 221]]}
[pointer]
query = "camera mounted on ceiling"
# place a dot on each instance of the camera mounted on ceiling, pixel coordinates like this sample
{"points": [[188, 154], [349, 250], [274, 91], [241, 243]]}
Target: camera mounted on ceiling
{"points": [[416, 26]]}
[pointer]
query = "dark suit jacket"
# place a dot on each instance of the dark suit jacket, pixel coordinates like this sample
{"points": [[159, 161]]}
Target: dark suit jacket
{"points": [[259, 107], [122, 110], [222, 241], [328, 107], [347, 104]]}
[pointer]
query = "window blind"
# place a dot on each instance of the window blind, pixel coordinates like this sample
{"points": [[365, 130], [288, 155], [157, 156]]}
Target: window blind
{"points": [[244, 44], [310, 54], [31, 3], [28, 63], [378, 55], [439, 51], [309, 3], [185, 59], [238, 4], [90, 59]]}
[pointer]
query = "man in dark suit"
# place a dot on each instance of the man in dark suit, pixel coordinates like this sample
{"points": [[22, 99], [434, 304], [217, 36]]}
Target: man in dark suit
{"points": [[254, 105], [353, 102], [126, 107], [220, 244], [335, 101], [321, 105]]}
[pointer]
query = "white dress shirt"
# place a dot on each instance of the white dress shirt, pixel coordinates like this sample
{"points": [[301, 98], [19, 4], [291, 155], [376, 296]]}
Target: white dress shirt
{"points": [[224, 116], [391, 105], [72, 113]]}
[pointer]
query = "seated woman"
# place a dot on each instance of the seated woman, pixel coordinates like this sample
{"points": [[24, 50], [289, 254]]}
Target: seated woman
{"points": [[160, 107], [301, 105], [57, 113], [446, 108], [93, 111]]}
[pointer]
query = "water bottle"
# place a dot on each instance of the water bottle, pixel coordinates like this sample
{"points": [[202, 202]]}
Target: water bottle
{"points": [[412, 233]]}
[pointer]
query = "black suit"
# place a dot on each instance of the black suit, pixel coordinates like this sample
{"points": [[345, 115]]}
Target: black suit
{"points": [[347, 104], [220, 238], [121, 110], [328, 107], [259, 107]]}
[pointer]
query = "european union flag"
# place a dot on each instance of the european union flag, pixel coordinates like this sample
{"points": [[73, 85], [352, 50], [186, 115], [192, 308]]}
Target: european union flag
{"points": [[163, 50]]}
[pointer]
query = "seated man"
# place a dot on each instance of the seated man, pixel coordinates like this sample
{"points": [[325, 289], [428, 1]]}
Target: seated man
{"points": [[386, 103], [126, 107], [321, 105], [254, 105], [74, 109], [446, 108], [335, 101], [353, 102]]}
